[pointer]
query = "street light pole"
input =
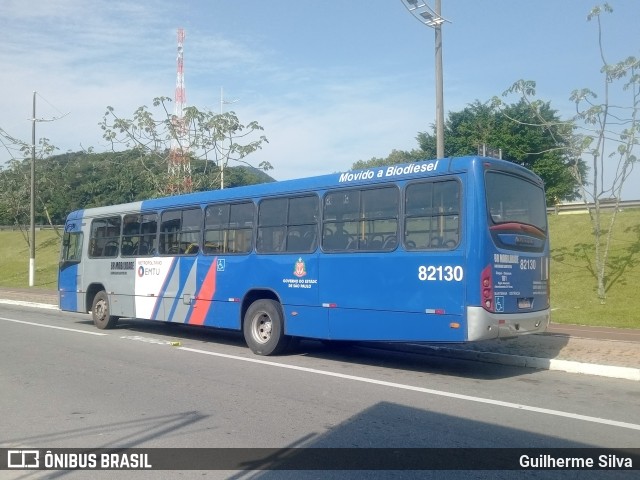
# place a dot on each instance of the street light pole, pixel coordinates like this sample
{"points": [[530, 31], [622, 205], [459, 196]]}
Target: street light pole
{"points": [[433, 19], [439, 85], [32, 235]]}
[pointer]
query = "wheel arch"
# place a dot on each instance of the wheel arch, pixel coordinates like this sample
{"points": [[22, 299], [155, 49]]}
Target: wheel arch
{"points": [[258, 294], [92, 291]]}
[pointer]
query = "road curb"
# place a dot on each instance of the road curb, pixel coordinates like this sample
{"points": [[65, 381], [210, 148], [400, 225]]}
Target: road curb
{"points": [[21, 303], [612, 371]]}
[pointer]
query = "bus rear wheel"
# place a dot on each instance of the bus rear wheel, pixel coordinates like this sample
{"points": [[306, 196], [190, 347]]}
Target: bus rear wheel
{"points": [[101, 312], [263, 328]]}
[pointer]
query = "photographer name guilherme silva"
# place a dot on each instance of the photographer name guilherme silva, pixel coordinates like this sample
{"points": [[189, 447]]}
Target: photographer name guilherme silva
{"points": [[602, 461]]}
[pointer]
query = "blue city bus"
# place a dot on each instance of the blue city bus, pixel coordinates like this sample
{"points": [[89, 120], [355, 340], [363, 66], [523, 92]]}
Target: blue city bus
{"points": [[447, 250]]}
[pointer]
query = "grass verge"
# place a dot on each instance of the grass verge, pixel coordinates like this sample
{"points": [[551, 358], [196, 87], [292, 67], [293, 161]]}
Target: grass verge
{"points": [[573, 283], [14, 259]]}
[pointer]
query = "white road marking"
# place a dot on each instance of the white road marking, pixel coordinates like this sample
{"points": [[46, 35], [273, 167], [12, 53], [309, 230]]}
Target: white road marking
{"points": [[468, 398], [52, 326], [140, 338]]}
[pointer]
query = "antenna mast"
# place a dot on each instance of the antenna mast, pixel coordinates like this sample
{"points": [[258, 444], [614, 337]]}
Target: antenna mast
{"points": [[179, 162]]}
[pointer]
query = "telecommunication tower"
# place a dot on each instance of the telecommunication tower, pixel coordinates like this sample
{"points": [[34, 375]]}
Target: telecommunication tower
{"points": [[179, 162]]}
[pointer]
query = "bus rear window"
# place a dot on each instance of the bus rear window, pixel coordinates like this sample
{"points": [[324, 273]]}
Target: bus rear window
{"points": [[512, 199]]}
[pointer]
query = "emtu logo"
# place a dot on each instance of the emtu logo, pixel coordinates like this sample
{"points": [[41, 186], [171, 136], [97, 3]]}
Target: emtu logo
{"points": [[23, 459], [147, 271]]}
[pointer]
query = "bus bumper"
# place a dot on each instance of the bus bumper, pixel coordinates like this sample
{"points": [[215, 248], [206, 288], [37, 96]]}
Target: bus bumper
{"points": [[483, 325]]}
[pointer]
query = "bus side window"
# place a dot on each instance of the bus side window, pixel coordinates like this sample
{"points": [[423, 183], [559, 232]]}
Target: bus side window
{"points": [[229, 228], [432, 215], [104, 239], [302, 224], [180, 232], [272, 219], [379, 214], [130, 235], [148, 244], [191, 229], [361, 220], [341, 209], [288, 224]]}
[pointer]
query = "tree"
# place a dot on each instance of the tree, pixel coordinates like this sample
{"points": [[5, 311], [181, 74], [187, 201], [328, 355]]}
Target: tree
{"points": [[200, 135], [515, 131], [605, 134], [512, 129], [395, 157], [15, 183]]}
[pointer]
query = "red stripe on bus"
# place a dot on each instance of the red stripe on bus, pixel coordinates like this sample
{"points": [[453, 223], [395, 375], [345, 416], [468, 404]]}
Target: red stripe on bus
{"points": [[204, 298]]}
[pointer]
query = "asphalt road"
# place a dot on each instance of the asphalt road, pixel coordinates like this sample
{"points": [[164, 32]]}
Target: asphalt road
{"points": [[64, 383]]}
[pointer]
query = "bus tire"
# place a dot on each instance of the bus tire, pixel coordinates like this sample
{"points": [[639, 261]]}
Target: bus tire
{"points": [[263, 328], [101, 312]]}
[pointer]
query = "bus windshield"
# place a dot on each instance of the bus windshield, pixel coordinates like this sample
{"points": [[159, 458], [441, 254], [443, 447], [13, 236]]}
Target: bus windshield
{"points": [[512, 199]]}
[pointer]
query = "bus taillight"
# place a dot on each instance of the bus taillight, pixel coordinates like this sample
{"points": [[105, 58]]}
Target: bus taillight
{"points": [[486, 289]]}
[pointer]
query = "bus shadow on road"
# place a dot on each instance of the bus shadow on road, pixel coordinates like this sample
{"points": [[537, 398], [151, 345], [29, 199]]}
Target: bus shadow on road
{"points": [[441, 359], [420, 358]]}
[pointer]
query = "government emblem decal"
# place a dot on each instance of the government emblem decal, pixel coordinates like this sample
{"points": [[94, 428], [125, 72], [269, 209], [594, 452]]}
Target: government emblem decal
{"points": [[300, 270]]}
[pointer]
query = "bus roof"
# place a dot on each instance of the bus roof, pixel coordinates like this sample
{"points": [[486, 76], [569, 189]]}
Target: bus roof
{"points": [[372, 175]]}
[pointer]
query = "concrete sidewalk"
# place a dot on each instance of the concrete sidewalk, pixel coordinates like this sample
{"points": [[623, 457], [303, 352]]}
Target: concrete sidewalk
{"points": [[601, 351]]}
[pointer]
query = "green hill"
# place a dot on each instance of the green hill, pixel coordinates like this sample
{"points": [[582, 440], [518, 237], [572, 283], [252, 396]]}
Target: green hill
{"points": [[75, 180], [573, 284]]}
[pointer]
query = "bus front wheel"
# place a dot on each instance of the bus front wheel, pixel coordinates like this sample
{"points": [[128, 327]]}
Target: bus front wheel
{"points": [[101, 312], [263, 328]]}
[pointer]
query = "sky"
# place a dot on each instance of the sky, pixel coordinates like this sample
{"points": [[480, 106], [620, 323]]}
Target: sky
{"points": [[331, 82]]}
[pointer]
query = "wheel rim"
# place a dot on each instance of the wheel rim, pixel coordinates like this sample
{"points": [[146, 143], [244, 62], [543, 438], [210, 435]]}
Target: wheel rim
{"points": [[101, 310], [261, 326]]}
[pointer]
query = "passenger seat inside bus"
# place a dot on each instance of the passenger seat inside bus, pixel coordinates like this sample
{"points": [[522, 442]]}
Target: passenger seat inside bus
{"points": [[338, 241]]}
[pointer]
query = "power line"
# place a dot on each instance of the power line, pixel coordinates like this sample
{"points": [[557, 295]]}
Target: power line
{"points": [[53, 119]]}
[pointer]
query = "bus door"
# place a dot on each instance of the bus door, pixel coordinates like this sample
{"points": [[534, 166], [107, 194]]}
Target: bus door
{"points": [[70, 268]]}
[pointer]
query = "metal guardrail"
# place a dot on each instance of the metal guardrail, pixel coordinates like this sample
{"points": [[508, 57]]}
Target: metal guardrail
{"points": [[586, 207], [16, 228]]}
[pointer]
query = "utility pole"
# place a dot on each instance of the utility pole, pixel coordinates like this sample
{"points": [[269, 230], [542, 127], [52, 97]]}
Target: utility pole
{"points": [[32, 215]]}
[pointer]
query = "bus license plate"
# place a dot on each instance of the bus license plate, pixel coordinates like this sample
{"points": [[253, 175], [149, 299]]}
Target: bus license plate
{"points": [[524, 303]]}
